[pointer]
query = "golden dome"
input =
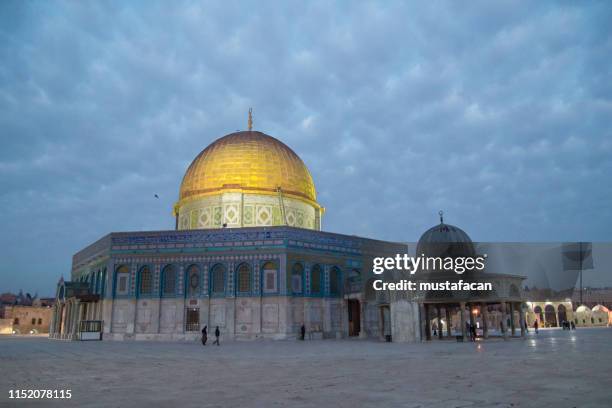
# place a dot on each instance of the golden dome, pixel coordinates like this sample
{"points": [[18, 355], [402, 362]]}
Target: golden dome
{"points": [[251, 162]]}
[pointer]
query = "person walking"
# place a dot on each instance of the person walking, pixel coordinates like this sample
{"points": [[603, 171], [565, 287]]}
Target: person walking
{"points": [[535, 326], [204, 335], [302, 332], [217, 334]]}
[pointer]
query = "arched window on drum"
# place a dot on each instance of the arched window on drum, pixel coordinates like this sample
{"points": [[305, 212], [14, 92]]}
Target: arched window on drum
{"points": [[169, 280], [316, 274], [217, 278], [297, 278], [244, 278], [145, 281], [270, 277], [334, 281], [122, 276], [193, 281]]}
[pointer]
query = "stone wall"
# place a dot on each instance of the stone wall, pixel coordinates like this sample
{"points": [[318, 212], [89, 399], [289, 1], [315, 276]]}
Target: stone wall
{"points": [[238, 318], [28, 319]]}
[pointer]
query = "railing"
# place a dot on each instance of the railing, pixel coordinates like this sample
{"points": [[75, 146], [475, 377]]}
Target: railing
{"points": [[90, 330], [192, 327]]}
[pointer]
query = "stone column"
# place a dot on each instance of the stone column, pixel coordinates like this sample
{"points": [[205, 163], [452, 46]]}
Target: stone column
{"points": [[52, 322], [522, 319], [462, 314], [439, 311], [448, 320], [485, 320], [64, 322], [504, 329], [512, 327], [472, 318], [71, 319], [77, 318], [427, 323], [362, 312], [69, 313], [344, 320]]}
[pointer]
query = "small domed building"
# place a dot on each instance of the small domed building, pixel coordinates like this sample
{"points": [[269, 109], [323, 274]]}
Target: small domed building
{"points": [[498, 311]]}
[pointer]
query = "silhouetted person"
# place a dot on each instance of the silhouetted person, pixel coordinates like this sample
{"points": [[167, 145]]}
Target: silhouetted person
{"points": [[473, 331], [302, 332], [217, 334], [535, 326], [573, 325], [204, 335]]}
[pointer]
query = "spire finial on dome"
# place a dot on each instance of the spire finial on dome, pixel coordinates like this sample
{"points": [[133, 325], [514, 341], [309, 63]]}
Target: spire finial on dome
{"points": [[441, 214], [250, 119]]}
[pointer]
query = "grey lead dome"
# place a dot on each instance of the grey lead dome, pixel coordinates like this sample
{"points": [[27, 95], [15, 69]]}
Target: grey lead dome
{"points": [[445, 240]]}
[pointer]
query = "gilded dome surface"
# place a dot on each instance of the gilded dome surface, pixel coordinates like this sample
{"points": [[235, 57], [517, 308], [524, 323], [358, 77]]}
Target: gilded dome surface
{"points": [[248, 161]]}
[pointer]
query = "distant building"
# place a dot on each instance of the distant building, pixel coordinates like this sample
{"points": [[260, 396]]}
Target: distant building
{"points": [[7, 299], [551, 310], [23, 314], [26, 319], [592, 297]]}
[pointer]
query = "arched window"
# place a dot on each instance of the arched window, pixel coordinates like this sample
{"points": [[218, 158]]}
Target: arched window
{"points": [[562, 315], [218, 279], [122, 276], [269, 277], [315, 279], [193, 280], [146, 281], [297, 277], [538, 311], [244, 278], [550, 316], [334, 281], [169, 280]]}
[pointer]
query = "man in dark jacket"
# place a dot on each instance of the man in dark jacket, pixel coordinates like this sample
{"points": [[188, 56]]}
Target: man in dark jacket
{"points": [[302, 332], [204, 335], [217, 334]]}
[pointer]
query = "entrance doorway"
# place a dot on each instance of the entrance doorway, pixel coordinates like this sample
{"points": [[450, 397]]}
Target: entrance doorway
{"points": [[385, 313], [354, 317]]}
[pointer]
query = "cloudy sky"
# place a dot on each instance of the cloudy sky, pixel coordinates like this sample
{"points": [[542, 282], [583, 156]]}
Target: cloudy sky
{"points": [[499, 113]]}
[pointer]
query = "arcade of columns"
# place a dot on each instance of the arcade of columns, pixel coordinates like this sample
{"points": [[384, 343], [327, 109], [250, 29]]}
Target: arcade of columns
{"points": [[506, 309]]}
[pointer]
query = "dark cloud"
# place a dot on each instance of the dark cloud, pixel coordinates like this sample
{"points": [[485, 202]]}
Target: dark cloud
{"points": [[497, 112]]}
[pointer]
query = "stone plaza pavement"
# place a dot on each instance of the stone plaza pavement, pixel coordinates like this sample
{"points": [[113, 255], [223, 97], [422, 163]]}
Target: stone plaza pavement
{"points": [[552, 369]]}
